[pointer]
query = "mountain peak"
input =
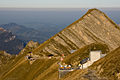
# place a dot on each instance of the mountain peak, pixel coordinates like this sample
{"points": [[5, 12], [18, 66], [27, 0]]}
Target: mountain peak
{"points": [[94, 26]]}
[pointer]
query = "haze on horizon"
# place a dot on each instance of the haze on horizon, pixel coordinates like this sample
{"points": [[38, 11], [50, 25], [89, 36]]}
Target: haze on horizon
{"points": [[59, 3]]}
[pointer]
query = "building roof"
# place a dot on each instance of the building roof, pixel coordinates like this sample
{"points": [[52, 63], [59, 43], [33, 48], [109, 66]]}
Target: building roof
{"points": [[84, 60]]}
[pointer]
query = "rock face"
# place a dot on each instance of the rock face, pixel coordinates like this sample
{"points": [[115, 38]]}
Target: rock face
{"points": [[32, 44], [9, 42], [29, 47], [93, 27]]}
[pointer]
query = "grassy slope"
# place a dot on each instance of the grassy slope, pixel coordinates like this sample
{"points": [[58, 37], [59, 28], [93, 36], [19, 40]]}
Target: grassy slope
{"points": [[5, 58], [49, 74], [25, 71], [20, 69], [14, 63], [109, 66], [75, 75], [83, 53], [43, 69], [52, 73], [106, 68]]}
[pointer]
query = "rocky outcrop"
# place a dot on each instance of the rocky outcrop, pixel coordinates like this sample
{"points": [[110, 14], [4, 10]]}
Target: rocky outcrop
{"points": [[93, 27], [29, 47], [32, 44]]}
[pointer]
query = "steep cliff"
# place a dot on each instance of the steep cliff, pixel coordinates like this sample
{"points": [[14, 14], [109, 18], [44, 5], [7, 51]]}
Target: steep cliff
{"points": [[31, 45], [93, 27]]}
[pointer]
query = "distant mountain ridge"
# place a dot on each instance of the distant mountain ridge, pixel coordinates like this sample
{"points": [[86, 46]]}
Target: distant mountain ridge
{"points": [[22, 32], [9, 42], [26, 34]]}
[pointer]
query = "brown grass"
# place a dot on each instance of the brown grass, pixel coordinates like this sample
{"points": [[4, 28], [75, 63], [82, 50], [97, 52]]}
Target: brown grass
{"points": [[109, 66]]}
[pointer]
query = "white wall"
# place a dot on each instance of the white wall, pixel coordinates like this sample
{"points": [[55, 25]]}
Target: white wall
{"points": [[87, 64], [95, 55]]}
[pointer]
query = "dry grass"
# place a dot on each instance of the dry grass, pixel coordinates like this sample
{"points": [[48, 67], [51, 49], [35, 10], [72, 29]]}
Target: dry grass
{"points": [[109, 66], [83, 53]]}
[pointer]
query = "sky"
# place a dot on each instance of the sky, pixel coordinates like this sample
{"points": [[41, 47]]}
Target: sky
{"points": [[58, 3]]}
